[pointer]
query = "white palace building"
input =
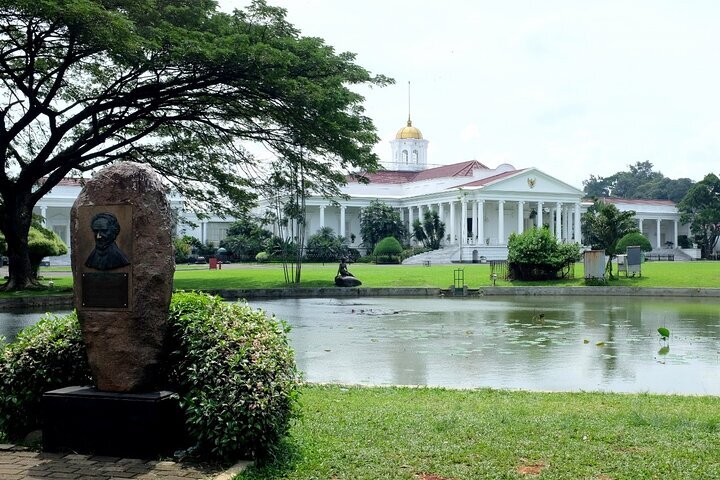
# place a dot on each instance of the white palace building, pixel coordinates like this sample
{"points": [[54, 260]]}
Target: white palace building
{"points": [[480, 206]]}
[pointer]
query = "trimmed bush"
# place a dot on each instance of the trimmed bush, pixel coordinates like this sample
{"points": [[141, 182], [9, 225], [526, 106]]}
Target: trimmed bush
{"points": [[537, 255], [262, 257], [631, 240], [235, 373], [388, 250], [45, 356], [231, 366]]}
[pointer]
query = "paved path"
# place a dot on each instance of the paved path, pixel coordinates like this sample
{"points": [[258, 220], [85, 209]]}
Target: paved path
{"points": [[18, 463]]}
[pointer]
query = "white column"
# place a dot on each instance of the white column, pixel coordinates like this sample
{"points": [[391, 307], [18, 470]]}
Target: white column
{"points": [[43, 213], [463, 222], [501, 222], [410, 219], [342, 220], [203, 232], [539, 216], [520, 214], [322, 216], [440, 212], [473, 209], [566, 224], [551, 221], [420, 213], [578, 234], [675, 234], [451, 220], [481, 221], [558, 220], [657, 233], [640, 220]]}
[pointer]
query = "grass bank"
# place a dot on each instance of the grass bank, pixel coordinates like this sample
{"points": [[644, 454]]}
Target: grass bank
{"points": [[404, 433]]}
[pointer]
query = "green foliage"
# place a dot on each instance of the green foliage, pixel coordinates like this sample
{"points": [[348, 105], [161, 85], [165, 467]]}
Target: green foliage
{"points": [[262, 257], [182, 247], [235, 373], [638, 182], [431, 231], [701, 209], [684, 241], [379, 220], [388, 250], [181, 86], [409, 252], [325, 246], [633, 239], [664, 333], [231, 365], [45, 356], [604, 225], [42, 243], [537, 255], [245, 239]]}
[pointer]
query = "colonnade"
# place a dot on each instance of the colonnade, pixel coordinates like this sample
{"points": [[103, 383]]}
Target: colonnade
{"points": [[475, 224]]}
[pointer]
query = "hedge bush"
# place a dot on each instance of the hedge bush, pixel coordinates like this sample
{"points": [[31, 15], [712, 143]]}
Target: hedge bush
{"points": [[388, 250], [45, 356], [633, 239], [231, 366], [235, 373]]}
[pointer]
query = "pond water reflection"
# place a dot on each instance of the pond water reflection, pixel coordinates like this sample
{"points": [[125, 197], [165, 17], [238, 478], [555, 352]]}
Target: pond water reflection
{"points": [[538, 343], [535, 343]]}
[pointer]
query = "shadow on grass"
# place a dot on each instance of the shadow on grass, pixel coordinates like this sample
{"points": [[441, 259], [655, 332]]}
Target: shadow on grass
{"points": [[279, 465]]}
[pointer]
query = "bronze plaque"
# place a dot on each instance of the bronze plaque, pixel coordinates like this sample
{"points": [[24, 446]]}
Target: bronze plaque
{"points": [[108, 283], [105, 290]]}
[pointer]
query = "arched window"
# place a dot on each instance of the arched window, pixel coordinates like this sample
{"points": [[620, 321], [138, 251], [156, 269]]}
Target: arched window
{"points": [[415, 156], [405, 156]]}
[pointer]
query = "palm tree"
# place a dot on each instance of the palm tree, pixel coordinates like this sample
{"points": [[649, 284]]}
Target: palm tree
{"points": [[604, 226]]}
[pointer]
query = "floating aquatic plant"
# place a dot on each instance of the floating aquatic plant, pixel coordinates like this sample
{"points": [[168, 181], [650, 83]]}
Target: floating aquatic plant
{"points": [[664, 333]]}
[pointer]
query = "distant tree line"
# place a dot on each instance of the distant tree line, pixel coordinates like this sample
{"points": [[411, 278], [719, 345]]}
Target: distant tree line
{"points": [[640, 181]]}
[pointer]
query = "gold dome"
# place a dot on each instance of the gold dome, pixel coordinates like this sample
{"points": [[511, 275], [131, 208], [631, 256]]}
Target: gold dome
{"points": [[408, 132]]}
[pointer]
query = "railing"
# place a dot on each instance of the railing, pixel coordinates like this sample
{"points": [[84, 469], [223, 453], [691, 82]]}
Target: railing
{"points": [[658, 257]]}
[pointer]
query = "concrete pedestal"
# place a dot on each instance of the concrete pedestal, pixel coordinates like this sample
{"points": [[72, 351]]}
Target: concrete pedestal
{"points": [[138, 425]]}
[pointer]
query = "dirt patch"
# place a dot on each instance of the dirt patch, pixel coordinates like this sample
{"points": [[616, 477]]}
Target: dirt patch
{"points": [[430, 476], [530, 468]]}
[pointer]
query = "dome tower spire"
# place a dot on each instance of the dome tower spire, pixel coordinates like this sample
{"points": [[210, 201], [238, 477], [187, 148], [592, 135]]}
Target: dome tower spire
{"points": [[409, 149]]}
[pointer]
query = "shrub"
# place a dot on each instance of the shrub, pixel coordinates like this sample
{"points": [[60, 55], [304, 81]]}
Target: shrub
{"points": [[537, 255], [262, 257], [388, 250], [45, 356], [633, 239], [409, 252], [684, 241], [325, 246], [231, 366], [366, 259]]}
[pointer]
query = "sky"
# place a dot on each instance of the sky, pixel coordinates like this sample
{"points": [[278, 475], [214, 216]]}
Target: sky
{"points": [[573, 88]]}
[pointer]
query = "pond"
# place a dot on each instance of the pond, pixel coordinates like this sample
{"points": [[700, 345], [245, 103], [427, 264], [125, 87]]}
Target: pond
{"points": [[534, 343]]}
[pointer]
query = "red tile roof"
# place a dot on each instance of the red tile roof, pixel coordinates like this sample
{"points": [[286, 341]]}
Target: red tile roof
{"points": [[462, 169]]}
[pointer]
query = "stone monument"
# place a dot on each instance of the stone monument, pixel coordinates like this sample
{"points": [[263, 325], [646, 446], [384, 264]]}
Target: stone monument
{"points": [[123, 265]]}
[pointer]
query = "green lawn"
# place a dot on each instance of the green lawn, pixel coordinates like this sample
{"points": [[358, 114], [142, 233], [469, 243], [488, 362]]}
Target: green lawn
{"points": [[654, 274], [658, 274], [404, 433]]}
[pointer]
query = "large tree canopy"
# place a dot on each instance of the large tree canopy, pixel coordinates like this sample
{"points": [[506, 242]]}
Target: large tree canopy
{"points": [[701, 209], [175, 84], [639, 181]]}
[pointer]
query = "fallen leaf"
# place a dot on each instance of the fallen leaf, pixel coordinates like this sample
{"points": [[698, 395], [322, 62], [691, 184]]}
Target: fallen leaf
{"points": [[531, 469]]}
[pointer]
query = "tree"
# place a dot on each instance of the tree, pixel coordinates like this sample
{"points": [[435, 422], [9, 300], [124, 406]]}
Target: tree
{"points": [[325, 246], [246, 238], [379, 220], [640, 181], [605, 225], [537, 255], [431, 231], [701, 209], [41, 243], [177, 85]]}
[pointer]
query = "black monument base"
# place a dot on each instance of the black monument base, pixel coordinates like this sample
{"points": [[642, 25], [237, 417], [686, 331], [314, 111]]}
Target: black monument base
{"points": [[137, 425]]}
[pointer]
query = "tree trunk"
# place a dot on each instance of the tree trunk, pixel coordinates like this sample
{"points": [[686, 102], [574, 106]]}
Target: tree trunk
{"points": [[16, 225]]}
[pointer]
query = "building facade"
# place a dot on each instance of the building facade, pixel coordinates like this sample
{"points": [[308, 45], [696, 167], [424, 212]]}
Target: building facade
{"points": [[480, 206]]}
